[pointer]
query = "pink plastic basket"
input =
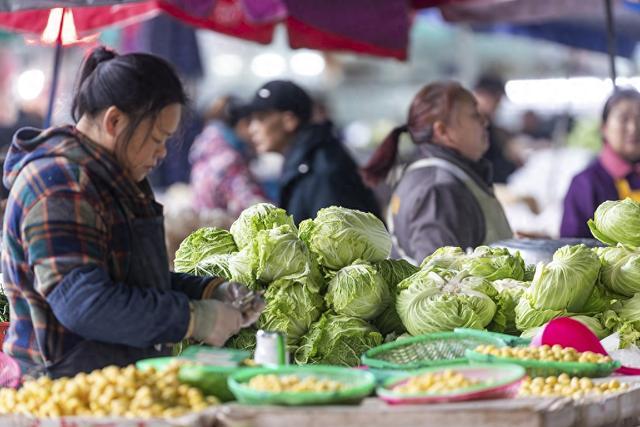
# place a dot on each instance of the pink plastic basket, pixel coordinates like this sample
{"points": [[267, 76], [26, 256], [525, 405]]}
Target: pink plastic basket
{"points": [[500, 381], [9, 372]]}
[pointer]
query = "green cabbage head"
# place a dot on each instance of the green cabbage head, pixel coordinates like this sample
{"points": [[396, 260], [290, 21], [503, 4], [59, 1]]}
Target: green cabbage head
{"points": [[394, 271], [509, 293], [275, 254], [200, 245], [617, 221], [291, 308], [493, 264], [340, 236], [629, 334], [629, 310], [389, 321], [358, 291], [567, 281], [529, 272], [337, 340], [427, 303], [241, 269], [243, 340], [528, 317], [444, 257], [620, 269], [215, 265], [279, 254], [599, 301], [261, 216]]}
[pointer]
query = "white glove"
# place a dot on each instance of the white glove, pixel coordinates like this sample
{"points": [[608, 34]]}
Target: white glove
{"points": [[235, 294], [251, 312], [214, 322], [230, 292]]}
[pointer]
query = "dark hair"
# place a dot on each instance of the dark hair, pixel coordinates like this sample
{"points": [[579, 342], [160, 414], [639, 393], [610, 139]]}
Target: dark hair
{"points": [[490, 83], [617, 96], [432, 103], [138, 84], [229, 110]]}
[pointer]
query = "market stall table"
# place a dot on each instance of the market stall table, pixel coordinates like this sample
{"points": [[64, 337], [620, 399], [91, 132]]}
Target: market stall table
{"points": [[616, 410]]}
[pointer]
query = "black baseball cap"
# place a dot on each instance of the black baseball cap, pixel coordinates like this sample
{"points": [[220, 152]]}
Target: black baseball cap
{"points": [[283, 95]]}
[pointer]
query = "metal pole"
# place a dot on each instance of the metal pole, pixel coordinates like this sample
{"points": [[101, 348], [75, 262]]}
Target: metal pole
{"points": [[57, 60], [611, 41]]}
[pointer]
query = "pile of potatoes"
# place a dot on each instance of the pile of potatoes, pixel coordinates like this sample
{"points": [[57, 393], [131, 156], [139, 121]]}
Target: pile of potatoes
{"points": [[566, 386], [555, 353], [109, 392], [294, 383], [435, 383]]}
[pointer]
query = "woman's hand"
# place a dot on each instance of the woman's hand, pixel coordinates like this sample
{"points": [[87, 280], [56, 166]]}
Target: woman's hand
{"points": [[214, 322], [239, 296]]}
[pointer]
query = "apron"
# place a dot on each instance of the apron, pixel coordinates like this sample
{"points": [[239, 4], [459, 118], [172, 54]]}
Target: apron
{"points": [[147, 268], [495, 222], [624, 190]]}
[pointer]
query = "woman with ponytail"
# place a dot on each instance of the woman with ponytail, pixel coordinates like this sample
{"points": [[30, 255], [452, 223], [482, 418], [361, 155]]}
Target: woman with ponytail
{"points": [[445, 196], [84, 262]]}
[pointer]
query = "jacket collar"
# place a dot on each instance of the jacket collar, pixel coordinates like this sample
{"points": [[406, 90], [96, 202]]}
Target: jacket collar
{"points": [[306, 141], [30, 144], [481, 171], [615, 165]]}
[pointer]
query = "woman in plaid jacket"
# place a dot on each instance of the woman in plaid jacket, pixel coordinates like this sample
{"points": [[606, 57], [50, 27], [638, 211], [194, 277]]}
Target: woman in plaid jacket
{"points": [[83, 262]]}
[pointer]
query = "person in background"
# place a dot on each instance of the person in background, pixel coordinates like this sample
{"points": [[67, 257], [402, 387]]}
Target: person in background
{"points": [[444, 197], [84, 263], [175, 168], [220, 175], [534, 126], [489, 91], [22, 119], [318, 172], [615, 174]]}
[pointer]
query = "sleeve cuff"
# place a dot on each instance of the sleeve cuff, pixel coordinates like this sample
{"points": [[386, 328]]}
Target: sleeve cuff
{"points": [[211, 287]]}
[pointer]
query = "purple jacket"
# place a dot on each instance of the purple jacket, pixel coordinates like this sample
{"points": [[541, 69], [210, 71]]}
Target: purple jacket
{"points": [[591, 187]]}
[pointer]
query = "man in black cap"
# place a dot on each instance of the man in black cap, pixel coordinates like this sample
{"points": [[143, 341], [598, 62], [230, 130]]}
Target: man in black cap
{"points": [[318, 172]]}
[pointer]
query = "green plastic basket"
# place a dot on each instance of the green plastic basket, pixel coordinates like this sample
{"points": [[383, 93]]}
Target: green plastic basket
{"points": [[441, 348], [538, 368], [359, 384], [211, 380]]}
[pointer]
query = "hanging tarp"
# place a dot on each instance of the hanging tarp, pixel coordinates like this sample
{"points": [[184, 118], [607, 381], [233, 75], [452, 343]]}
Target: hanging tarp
{"points": [[15, 5], [575, 23]]}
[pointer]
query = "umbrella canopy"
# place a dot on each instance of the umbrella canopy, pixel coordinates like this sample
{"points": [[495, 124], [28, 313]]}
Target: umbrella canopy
{"points": [[15, 5], [86, 20], [375, 27], [576, 23]]}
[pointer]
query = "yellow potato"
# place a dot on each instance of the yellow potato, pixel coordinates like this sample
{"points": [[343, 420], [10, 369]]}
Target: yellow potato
{"points": [[565, 386], [274, 383], [444, 382], [111, 391]]}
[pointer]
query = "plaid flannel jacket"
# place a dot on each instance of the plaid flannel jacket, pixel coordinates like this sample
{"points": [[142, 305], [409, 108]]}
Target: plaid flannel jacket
{"points": [[68, 208]]}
